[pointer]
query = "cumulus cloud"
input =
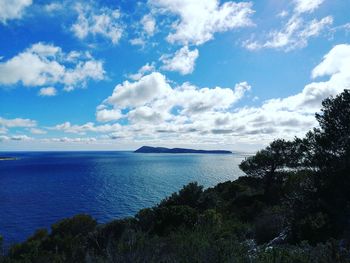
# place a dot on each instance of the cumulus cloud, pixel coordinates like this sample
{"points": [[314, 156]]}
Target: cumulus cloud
{"points": [[297, 32], [145, 114], [142, 71], [66, 140], [53, 7], [12, 9], [45, 64], [183, 60], [105, 115], [145, 90], [7, 124], [72, 140], [336, 62], [37, 131], [294, 115], [151, 99], [17, 122], [67, 127], [149, 24], [302, 6], [144, 30], [194, 100], [200, 20], [20, 138], [3, 138], [3, 130], [102, 22], [158, 110], [49, 91], [139, 41]]}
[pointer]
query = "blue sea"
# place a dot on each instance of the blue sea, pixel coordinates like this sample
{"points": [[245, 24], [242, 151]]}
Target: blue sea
{"points": [[40, 188]]}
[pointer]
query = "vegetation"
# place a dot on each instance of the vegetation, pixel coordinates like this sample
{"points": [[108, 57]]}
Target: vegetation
{"points": [[293, 206]]}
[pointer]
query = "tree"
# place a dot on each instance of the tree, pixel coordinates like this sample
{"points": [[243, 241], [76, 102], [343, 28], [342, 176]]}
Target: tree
{"points": [[334, 133], [269, 162], [323, 209], [333, 157], [1, 247]]}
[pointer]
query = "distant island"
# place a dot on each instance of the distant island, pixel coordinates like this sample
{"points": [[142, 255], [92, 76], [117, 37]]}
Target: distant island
{"points": [[5, 158], [149, 149]]}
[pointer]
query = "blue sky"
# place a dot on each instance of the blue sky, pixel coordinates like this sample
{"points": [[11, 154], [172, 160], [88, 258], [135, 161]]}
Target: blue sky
{"points": [[115, 75]]}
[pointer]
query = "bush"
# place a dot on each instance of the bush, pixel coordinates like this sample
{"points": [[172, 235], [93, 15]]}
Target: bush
{"points": [[269, 225], [189, 195]]}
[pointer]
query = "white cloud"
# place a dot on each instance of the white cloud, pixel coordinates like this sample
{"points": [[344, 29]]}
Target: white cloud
{"points": [[12, 9], [344, 27], [103, 22], [144, 30], [7, 124], [53, 7], [145, 114], [200, 20], [89, 69], [145, 90], [149, 24], [72, 140], [183, 60], [67, 127], [141, 72], [294, 115], [152, 99], [20, 138], [139, 41], [196, 100], [157, 111], [4, 138], [17, 122], [49, 91], [337, 61], [37, 131], [105, 115], [3, 130], [283, 13], [307, 6], [297, 32], [45, 64], [315, 27]]}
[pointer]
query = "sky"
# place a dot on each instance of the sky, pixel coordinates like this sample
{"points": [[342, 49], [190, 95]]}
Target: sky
{"points": [[210, 74]]}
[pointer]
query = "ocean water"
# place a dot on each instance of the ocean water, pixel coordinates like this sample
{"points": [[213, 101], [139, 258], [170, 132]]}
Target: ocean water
{"points": [[41, 188]]}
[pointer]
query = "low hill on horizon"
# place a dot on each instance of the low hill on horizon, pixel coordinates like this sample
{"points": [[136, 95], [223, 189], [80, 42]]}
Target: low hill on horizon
{"points": [[149, 149]]}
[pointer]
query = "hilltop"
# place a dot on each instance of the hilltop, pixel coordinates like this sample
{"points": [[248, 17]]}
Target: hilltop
{"points": [[149, 149]]}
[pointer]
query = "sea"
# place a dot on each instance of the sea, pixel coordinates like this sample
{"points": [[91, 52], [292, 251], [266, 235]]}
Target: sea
{"points": [[40, 188]]}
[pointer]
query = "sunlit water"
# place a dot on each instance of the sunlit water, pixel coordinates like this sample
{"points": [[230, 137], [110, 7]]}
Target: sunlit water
{"points": [[42, 187]]}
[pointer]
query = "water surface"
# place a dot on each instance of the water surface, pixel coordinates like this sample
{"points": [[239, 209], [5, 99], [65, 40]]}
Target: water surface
{"points": [[40, 188]]}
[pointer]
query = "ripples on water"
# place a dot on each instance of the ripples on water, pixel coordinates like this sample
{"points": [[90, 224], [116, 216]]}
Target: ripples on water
{"points": [[42, 187]]}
